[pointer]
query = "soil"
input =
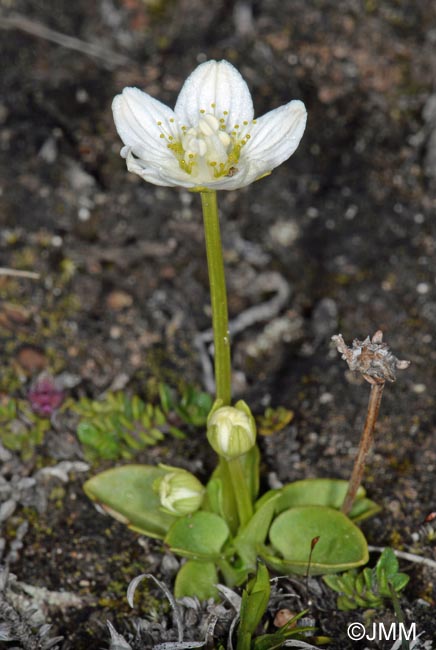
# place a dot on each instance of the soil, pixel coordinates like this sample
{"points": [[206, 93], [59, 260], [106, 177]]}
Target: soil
{"points": [[346, 226]]}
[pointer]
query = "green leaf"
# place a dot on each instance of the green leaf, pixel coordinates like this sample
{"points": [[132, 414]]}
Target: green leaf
{"points": [[346, 604], [333, 582], [198, 536], [254, 534], [399, 581], [213, 501], [225, 494], [165, 397], [194, 406], [382, 582], [363, 508], [197, 579], [127, 494], [315, 492], [388, 563], [368, 577], [102, 444], [176, 433], [341, 544], [253, 606], [137, 407]]}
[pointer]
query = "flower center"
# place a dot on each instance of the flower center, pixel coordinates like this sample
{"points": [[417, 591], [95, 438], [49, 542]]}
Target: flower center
{"points": [[211, 149]]}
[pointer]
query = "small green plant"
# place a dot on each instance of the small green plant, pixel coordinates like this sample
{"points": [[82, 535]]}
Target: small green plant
{"points": [[20, 428], [192, 406], [254, 604], [119, 426], [370, 587], [273, 420]]}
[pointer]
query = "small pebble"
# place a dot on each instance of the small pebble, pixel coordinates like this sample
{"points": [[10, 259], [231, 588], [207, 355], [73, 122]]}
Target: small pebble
{"points": [[7, 509], [422, 288], [84, 214], [283, 617], [419, 388]]}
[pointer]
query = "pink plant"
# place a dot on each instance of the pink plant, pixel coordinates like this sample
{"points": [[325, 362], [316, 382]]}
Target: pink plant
{"points": [[45, 395]]}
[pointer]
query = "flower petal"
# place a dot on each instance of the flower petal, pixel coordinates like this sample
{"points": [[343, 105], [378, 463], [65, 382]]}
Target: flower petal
{"points": [[275, 136], [167, 175], [136, 117], [214, 87]]}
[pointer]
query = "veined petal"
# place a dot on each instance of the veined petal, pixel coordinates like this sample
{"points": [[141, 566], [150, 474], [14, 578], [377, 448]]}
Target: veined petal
{"points": [[136, 117], [214, 87], [275, 136]]}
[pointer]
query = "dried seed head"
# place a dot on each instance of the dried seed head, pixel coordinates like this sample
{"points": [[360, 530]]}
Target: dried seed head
{"points": [[371, 357]]}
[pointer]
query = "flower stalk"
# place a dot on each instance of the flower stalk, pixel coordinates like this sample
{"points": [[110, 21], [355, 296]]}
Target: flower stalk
{"points": [[240, 490], [365, 445], [236, 490], [218, 293], [373, 359]]}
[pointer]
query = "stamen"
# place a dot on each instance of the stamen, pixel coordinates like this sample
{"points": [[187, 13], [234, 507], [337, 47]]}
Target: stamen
{"points": [[208, 149]]}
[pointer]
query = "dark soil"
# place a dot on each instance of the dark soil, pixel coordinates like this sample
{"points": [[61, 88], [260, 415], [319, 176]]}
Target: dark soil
{"points": [[347, 224]]}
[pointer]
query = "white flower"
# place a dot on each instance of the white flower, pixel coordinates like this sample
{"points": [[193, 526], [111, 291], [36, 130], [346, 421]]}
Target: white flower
{"points": [[210, 140], [231, 430], [180, 492]]}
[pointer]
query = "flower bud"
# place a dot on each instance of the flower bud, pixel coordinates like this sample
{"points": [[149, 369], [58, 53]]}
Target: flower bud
{"points": [[231, 430], [179, 491]]}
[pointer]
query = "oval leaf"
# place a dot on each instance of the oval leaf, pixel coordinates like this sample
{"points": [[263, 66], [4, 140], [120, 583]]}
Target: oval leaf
{"points": [[127, 494], [341, 544], [315, 492], [197, 579], [201, 535]]}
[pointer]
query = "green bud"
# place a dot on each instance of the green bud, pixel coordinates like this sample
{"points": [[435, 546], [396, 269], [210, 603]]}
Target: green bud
{"points": [[231, 430], [179, 491]]}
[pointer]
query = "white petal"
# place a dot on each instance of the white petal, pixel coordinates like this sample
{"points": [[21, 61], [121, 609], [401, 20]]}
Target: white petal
{"points": [[275, 136], [215, 83], [136, 115], [168, 175]]}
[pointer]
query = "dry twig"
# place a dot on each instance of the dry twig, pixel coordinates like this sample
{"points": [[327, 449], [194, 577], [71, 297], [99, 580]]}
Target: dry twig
{"points": [[108, 57]]}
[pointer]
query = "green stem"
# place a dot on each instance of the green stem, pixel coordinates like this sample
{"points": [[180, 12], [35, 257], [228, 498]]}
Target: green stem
{"points": [[229, 500], [235, 489], [399, 614], [218, 296], [240, 490]]}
